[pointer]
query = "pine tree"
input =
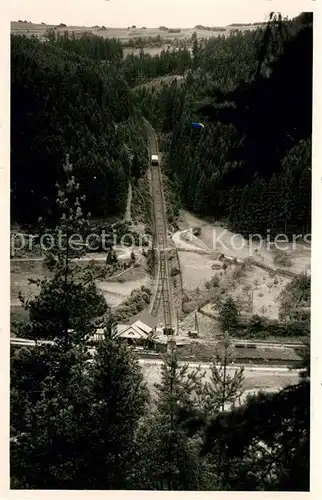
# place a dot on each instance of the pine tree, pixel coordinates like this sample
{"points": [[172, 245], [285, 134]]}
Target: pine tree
{"points": [[169, 458], [273, 457], [212, 192], [109, 257], [74, 416], [68, 304], [258, 205], [195, 46], [220, 394], [274, 204], [243, 216], [120, 398], [229, 315], [201, 195], [303, 201]]}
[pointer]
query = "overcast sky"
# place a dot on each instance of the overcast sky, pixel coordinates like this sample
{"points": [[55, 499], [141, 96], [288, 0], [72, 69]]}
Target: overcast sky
{"points": [[150, 13]]}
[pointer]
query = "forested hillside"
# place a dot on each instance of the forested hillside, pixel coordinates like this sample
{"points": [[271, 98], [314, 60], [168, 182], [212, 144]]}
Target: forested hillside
{"points": [[252, 162], [250, 165], [64, 102]]}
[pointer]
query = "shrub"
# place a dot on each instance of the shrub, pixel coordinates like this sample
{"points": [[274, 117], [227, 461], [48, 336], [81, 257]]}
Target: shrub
{"points": [[282, 258], [146, 290], [215, 281], [238, 274]]}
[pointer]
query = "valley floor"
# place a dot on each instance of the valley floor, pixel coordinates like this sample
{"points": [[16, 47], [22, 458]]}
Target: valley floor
{"points": [[197, 257], [256, 378]]}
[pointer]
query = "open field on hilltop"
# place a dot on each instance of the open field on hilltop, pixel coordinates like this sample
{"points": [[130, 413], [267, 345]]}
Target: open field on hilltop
{"points": [[124, 34]]}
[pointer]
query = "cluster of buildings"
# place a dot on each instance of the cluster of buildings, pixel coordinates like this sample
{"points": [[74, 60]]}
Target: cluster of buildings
{"points": [[144, 333]]}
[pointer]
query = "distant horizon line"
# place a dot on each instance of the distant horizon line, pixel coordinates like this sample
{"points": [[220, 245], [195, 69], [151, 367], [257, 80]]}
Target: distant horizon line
{"points": [[140, 27]]}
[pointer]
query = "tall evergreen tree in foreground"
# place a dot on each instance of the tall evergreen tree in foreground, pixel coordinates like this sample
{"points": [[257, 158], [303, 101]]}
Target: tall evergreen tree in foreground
{"points": [[73, 415], [220, 393], [68, 305], [169, 458], [224, 388], [171, 438]]}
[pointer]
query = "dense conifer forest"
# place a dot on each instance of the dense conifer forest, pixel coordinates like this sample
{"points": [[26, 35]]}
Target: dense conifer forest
{"points": [[252, 162]]}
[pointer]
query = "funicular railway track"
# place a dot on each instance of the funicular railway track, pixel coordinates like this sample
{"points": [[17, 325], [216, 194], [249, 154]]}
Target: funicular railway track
{"points": [[163, 290]]}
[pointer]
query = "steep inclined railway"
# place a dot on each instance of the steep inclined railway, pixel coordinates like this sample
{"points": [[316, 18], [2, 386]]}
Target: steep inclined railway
{"points": [[163, 291]]}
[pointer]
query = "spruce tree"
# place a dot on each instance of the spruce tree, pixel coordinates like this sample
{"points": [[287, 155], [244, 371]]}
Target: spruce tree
{"points": [[244, 218], [220, 394], [286, 198], [68, 305], [270, 457], [136, 167], [229, 315], [201, 195], [303, 201], [195, 47], [258, 205], [274, 204], [169, 458]]}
